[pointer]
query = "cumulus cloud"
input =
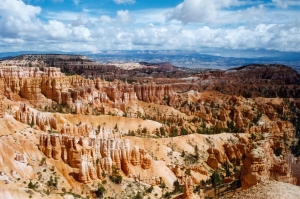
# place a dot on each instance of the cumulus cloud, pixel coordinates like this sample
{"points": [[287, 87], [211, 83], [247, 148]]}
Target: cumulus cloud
{"points": [[124, 1], [199, 11], [250, 28], [17, 17], [122, 17], [57, 29], [251, 16], [105, 19], [82, 20], [81, 33]]}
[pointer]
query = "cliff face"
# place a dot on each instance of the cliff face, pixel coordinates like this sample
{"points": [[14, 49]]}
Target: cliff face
{"points": [[93, 153], [260, 81], [262, 164], [76, 93], [32, 117]]}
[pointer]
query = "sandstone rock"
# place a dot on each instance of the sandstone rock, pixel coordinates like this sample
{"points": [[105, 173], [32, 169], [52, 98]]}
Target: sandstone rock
{"points": [[231, 154], [188, 188], [93, 153], [2, 108], [83, 175], [261, 164], [135, 156], [212, 161], [124, 163], [29, 116], [145, 159]]}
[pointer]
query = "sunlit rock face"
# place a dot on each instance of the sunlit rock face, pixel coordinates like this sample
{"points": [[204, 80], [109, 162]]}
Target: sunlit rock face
{"points": [[78, 94], [188, 189], [94, 153], [261, 164]]}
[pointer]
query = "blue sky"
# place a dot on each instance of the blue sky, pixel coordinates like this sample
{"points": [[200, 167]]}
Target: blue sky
{"points": [[97, 25]]}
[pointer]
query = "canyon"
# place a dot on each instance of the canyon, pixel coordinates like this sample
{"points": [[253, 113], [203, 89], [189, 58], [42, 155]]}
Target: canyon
{"points": [[71, 127]]}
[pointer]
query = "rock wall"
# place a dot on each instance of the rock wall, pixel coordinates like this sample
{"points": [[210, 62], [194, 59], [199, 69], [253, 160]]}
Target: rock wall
{"points": [[51, 84], [189, 188], [261, 164], [93, 153], [29, 72], [215, 158], [32, 117], [152, 92]]}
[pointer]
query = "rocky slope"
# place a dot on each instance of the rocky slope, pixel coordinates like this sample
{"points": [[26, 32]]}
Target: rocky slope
{"points": [[268, 190], [76, 137]]}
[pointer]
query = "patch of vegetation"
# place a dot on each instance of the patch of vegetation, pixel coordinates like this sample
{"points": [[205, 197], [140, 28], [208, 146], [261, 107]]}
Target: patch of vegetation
{"points": [[99, 193], [116, 177]]}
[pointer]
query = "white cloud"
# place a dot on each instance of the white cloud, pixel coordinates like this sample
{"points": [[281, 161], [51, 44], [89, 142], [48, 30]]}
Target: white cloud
{"points": [[251, 16], [124, 1], [147, 16], [199, 11], [123, 16], [81, 33], [281, 3], [82, 20], [105, 19], [286, 3], [17, 17], [255, 27], [63, 16], [57, 29]]}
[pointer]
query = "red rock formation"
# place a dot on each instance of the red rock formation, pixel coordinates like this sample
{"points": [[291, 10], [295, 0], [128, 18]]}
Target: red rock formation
{"points": [[135, 156], [261, 164], [92, 154], [2, 108], [29, 116], [145, 159], [152, 92], [188, 188], [215, 158], [83, 170], [212, 161]]}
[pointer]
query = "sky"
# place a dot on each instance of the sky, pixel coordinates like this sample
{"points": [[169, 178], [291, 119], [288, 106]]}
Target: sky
{"points": [[199, 25]]}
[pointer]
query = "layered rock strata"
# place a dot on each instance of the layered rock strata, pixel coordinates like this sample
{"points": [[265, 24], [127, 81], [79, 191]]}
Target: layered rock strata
{"points": [[261, 164], [75, 92], [32, 117], [95, 153]]}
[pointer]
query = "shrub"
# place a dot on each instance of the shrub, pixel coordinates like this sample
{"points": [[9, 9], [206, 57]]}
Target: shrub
{"points": [[31, 185], [100, 191]]}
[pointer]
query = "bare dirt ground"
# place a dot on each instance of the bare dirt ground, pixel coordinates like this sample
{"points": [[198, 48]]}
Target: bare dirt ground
{"points": [[268, 190]]}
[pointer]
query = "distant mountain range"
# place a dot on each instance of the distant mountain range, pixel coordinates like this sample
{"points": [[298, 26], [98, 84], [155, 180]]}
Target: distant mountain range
{"points": [[190, 59]]}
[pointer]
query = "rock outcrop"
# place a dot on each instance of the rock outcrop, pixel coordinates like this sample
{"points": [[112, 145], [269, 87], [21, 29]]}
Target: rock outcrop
{"points": [[94, 153], [27, 115], [79, 95], [189, 188], [261, 164], [2, 108], [215, 158]]}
